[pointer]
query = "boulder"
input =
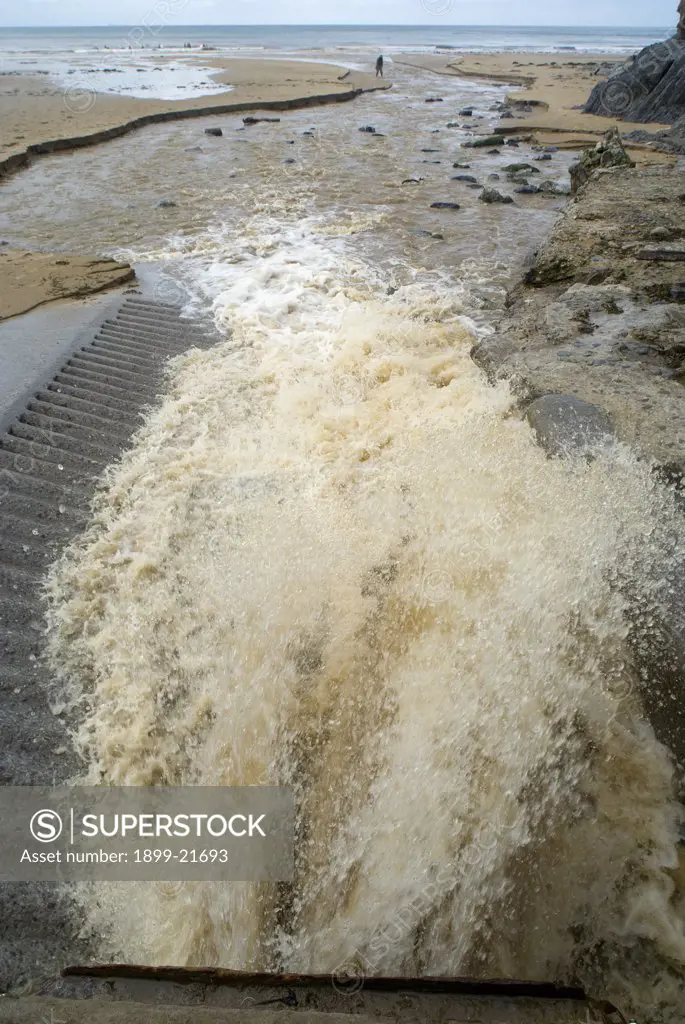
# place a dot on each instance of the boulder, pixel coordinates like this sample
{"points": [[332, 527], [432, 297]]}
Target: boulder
{"points": [[213, 131], [166, 203], [464, 177], [466, 112], [564, 424], [491, 195], [609, 152], [650, 86], [445, 206]]}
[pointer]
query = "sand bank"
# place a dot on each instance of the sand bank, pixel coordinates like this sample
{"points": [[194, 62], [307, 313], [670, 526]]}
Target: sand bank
{"points": [[32, 278], [37, 115], [556, 87]]}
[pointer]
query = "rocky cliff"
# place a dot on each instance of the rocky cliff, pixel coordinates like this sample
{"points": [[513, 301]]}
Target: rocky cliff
{"points": [[649, 87]]}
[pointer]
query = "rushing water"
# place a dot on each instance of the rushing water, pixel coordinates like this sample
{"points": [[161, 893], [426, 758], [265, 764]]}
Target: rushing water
{"points": [[336, 559]]}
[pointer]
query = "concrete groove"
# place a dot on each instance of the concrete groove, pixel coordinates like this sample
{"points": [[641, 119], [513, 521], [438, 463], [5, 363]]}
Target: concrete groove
{"points": [[123, 361], [48, 436], [68, 414], [85, 394], [99, 369]]}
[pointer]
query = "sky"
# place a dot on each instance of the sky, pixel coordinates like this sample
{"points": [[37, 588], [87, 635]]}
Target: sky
{"points": [[616, 13]]}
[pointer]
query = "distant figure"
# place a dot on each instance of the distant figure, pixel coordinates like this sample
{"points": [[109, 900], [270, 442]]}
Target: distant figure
{"points": [[379, 67]]}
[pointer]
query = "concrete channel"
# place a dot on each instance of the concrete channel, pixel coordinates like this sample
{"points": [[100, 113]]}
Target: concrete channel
{"points": [[55, 442]]}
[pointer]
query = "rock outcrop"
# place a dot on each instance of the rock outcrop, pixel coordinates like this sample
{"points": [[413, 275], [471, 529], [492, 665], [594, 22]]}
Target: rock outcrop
{"points": [[649, 87], [681, 20], [609, 152]]}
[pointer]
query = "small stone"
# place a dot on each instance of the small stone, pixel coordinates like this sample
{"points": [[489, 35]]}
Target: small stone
{"points": [[465, 177], [166, 203], [445, 206], [213, 131]]}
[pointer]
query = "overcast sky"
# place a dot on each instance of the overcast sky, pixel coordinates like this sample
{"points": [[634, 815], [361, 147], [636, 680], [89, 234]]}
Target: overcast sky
{"points": [[334, 12]]}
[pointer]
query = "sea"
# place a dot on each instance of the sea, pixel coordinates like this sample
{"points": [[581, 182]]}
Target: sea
{"points": [[336, 559]]}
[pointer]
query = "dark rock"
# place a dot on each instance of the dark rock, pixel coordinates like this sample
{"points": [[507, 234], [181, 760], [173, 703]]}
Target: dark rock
{"points": [[453, 124], [430, 150], [543, 157], [493, 152], [261, 120], [368, 128], [609, 152], [493, 177], [412, 181], [649, 87], [505, 115], [463, 167], [491, 195], [567, 425], [515, 168], [445, 206], [669, 254], [488, 140], [528, 190], [465, 177], [512, 143], [289, 160], [166, 203], [213, 131], [431, 161], [466, 112], [434, 99], [194, 149]]}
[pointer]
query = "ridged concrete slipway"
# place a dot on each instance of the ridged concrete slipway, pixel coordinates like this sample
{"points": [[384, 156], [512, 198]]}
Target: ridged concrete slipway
{"points": [[51, 457], [52, 452]]}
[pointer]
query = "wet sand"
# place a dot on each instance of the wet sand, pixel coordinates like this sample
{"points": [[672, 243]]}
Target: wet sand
{"points": [[555, 86], [31, 278], [35, 109]]}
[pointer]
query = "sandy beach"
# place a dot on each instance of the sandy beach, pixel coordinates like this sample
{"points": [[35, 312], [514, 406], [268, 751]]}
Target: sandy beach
{"points": [[556, 87], [34, 109]]}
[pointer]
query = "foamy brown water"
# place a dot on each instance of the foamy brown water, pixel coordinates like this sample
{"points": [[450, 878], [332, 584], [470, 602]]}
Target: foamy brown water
{"points": [[336, 560]]}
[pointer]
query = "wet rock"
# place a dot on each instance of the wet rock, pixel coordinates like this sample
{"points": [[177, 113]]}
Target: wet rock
{"points": [[609, 152], [431, 161], [465, 177], [493, 152], [564, 424], [369, 129], [466, 112], [412, 181], [166, 203], [506, 115], [650, 86], [669, 254], [463, 167], [527, 189], [491, 195], [430, 150], [543, 157], [488, 140], [213, 131], [289, 160], [660, 234], [517, 179], [194, 149], [445, 206], [494, 176], [434, 99], [515, 168], [261, 120], [453, 124], [555, 188], [512, 143]]}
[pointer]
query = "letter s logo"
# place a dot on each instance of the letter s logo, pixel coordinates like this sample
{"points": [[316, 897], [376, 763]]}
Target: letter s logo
{"points": [[46, 826]]}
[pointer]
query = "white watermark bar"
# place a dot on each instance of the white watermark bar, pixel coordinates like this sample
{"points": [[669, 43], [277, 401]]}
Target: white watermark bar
{"points": [[138, 834]]}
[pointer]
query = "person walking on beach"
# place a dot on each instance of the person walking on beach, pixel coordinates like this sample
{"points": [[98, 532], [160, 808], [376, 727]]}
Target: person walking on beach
{"points": [[379, 66]]}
